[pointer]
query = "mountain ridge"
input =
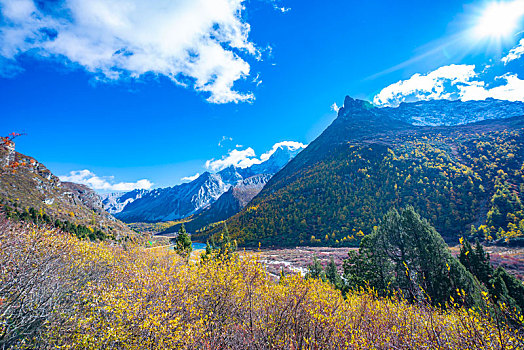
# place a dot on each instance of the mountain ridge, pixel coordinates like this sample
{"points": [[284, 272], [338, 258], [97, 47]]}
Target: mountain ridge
{"points": [[366, 161], [26, 184], [184, 200]]}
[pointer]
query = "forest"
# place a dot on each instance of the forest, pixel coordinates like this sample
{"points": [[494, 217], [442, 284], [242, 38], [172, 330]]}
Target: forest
{"points": [[465, 180]]}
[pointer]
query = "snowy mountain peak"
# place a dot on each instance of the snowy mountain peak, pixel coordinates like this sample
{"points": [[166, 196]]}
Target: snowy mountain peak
{"points": [[449, 113], [180, 201]]}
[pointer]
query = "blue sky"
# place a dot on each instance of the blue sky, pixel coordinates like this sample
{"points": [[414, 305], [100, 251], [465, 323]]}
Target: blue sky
{"points": [[132, 90]]}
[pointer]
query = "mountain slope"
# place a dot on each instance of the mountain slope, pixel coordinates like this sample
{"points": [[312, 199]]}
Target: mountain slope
{"points": [[175, 202], [25, 183], [115, 202], [366, 161], [187, 199], [227, 205]]}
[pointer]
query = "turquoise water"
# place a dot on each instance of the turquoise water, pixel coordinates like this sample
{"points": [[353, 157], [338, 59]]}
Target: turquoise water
{"points": [[198, 246]]}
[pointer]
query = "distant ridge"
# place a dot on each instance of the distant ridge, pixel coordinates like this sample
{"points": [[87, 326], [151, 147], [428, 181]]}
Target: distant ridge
{"points": [[181, 201], [459, 165]]}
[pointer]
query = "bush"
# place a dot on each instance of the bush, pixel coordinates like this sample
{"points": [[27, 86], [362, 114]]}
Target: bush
{"points": [[107, 297]]}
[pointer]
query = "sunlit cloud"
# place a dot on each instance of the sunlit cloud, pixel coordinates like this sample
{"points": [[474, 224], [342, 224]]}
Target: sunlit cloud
{"points": [[200, 44], [239, 158], [515, 53], [247, 157], [451, 82], [190, 178], [106, 183]]}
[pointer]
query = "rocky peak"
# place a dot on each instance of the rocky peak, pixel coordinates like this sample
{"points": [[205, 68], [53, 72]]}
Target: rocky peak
{"points": [[7, 154], [352, 105]]}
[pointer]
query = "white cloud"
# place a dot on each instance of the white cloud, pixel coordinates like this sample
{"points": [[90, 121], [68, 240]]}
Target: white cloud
{"points": [[451, 82], [425, 87], [512, 90], [190, 178], [283, 9], [238, 158], [86, 177], [335, 107], [201, 44], [515, 53], [292, 145], [247, 157], [224, 139]]}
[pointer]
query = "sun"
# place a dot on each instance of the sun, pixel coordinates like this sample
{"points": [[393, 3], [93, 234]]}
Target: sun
{"points": [[500, 19]]}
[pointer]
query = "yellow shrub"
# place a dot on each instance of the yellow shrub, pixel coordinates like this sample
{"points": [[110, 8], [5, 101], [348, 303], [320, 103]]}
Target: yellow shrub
{"points": [[150, 299]]}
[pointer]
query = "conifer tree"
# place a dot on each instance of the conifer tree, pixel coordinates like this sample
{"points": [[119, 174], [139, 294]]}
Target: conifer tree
{"points": [[333, 276], [315, 270], [183, 244], [405, 254], [503, 287], [220, 246]]}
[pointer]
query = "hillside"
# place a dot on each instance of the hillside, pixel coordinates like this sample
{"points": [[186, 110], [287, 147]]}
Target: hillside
{"points": [[26, 184], [335, 191]]}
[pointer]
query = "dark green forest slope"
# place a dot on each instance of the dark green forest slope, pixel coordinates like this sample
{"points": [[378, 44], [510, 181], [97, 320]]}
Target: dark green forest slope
{"points": [[335, 191]]}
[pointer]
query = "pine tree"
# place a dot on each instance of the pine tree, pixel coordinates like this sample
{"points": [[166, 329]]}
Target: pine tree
{"points": [[183, 244], [333, 276], [405, 254], [221, 246], [315, 270], [503, 287], [208, 253]]}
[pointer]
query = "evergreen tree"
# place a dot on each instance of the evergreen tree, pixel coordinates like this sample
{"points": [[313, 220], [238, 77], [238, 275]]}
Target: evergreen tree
{"points": [[315, 270], [508, 289], [476, 261], [183, 244], [207, 254], [503, 287], [333, 276], [221, 246], [405, 254]]}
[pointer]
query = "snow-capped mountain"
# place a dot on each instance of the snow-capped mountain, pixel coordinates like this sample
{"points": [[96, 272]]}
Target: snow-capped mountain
{"points": [[116, 201], [183, 200], [280, 157], [449, 113], [228, 204]]}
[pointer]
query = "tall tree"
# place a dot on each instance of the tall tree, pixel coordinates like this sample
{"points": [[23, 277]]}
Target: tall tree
{"points": [[405, 254], [503, 287], [183, 244]]}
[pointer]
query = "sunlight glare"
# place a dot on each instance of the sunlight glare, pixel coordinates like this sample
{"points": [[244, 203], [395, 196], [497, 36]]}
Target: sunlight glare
{"points": [[500, 19]]}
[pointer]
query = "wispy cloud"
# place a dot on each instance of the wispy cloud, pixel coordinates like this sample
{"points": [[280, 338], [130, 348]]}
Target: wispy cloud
{"points": [[223, 140], [247, 157], [106, 183], [452, 82], [202, 44], [515, 53]]}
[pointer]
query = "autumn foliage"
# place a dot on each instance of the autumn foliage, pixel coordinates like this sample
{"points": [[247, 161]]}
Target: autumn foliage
{"points": [[57, 291]]}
